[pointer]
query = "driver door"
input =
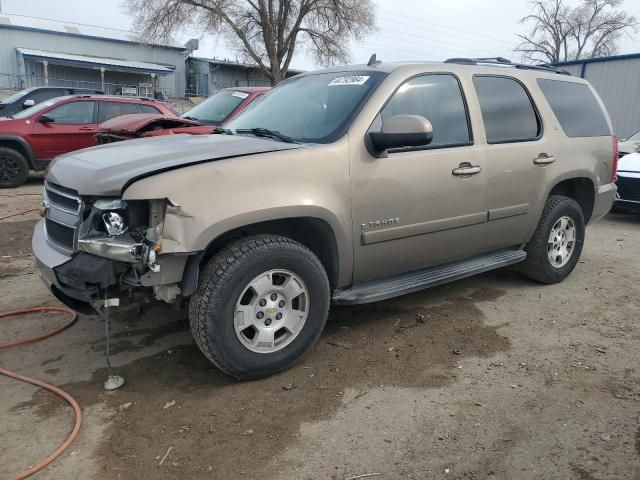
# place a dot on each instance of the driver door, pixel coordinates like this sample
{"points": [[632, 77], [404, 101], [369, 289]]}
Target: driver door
{"points": [[416, 207], [74, 127]]}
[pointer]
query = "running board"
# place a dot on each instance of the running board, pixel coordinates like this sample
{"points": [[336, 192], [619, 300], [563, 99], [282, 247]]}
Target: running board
{"points": [[429, 277]]}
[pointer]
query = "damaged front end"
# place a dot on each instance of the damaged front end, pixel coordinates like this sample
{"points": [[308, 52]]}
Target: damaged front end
{"points": [[91, 247]]}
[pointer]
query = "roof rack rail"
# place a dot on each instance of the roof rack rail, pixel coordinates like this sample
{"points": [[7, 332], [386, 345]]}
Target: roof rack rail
{"points": [[506, 62]]}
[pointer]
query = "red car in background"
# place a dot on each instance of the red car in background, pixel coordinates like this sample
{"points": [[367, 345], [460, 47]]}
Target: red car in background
{"points": [[33, 137], [202, 119]]}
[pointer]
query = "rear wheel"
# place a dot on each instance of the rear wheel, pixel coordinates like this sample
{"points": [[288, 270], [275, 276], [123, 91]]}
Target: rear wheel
{"points": [[14, 169], [261, 303], [556, 245]]}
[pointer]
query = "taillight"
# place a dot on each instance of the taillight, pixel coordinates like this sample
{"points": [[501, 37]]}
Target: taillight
{"points": [[616, 154]]}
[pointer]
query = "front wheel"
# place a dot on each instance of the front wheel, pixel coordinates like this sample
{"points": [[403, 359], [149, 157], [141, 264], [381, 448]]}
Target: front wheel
{"points": [[261, 303], [556, 245], [14, 169]]}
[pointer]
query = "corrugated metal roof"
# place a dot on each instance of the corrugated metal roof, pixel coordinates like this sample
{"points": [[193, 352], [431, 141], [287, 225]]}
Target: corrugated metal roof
{"points": [[115, 63], [22, 22]]}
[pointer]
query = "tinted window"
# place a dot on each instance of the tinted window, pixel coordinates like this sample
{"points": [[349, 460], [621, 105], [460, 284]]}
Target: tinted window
{"points": [[148, 109], [437, 98], [575, 107], [507, 111], [45, 95], [110, 110], [73, 113]]}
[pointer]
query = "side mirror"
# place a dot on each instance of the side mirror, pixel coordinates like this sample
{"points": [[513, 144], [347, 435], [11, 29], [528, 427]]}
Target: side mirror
{"points": [[45, 119], [402, 131], [28, 103]]}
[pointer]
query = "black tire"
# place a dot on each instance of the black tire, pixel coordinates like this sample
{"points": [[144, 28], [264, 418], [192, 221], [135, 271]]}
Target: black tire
{"points": [[14, 168], [537, 266], [222, 281]]}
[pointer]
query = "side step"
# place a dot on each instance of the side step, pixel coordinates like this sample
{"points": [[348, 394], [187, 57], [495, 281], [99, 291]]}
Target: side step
{"points": [[376, 290]]}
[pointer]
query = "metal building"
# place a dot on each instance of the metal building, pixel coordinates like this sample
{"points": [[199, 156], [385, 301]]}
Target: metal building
{"points": [[617, 80], [37, 52], [206, 75]]}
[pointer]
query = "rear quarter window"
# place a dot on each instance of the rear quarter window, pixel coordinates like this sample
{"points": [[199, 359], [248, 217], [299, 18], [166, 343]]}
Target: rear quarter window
{"points": [[148, 109], [575, 107]]}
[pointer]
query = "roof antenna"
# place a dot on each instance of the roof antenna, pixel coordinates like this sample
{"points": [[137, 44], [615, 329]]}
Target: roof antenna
{"points": [[373, 60]]}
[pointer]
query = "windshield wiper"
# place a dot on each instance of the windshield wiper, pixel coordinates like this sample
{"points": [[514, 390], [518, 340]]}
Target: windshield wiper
{"points": [[221, 130], [265, 132], [190, 118]]}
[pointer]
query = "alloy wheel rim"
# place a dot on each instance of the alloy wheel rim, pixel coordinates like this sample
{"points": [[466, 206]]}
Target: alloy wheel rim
{"points": [[271, 311], [9, 169], [562, 241]]}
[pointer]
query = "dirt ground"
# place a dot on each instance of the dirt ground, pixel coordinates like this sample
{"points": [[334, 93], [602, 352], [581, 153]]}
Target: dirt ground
{"points": [[489, 377]]}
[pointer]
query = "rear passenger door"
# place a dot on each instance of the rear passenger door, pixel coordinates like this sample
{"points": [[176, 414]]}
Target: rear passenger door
{"points": [[517, 149]]}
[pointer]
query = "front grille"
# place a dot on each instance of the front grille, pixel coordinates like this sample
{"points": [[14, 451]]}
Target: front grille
{"points": [[61, 235], [628, 188], [62, 197]]}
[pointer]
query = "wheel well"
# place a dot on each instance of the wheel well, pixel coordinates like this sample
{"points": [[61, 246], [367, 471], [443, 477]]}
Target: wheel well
{"points": [[581, 190], [317, 235], [18, 147]]}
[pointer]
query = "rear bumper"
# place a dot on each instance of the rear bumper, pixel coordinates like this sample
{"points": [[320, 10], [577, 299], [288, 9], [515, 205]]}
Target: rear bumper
{"points": [[603, 201]]}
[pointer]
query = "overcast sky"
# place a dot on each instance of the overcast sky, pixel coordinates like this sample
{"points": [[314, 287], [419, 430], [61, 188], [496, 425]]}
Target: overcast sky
{"points": [[408, 29]]}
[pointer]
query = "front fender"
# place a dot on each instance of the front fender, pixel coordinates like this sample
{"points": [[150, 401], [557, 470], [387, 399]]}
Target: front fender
{"points": [[210, 199]]}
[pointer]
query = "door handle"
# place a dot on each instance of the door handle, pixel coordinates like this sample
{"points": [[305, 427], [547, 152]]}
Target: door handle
{"points": [[466, 169], [87, 129], [544, 159]]}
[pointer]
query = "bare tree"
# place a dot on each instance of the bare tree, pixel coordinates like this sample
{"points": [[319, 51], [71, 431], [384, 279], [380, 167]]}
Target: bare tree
{"points": [[560, 33], [267, 32]]}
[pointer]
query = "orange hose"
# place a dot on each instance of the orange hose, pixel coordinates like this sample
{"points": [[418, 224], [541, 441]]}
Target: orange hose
{"points": [[20, 213], [76, 408]]}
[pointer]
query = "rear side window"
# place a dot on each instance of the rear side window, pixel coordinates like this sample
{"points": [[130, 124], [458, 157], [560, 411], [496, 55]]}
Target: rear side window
{"points": [[110, 110], [575, 107], [437, 98], [507, 111], [148, 109]]}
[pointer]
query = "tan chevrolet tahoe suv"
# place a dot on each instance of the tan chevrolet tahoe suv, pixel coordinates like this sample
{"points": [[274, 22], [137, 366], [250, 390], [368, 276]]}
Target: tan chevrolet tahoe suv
{"points": [[348, 185]]}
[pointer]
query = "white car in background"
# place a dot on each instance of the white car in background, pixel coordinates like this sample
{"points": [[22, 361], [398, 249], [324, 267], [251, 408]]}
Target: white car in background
{"points": [[628, 182], [629, 145]]}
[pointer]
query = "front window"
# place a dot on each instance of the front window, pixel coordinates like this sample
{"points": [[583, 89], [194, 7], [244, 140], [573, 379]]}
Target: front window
{"points": [[73, 113], [314, 108], [217, 108]]}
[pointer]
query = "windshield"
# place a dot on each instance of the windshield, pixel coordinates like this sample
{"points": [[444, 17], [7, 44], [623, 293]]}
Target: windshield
{"points": [[634, 138], [35, 109], [311, 108], [16, 96], [218, 107]]}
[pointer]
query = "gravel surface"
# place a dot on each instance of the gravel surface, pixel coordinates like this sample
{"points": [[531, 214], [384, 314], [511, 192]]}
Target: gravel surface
{"points": [[489, 377]]}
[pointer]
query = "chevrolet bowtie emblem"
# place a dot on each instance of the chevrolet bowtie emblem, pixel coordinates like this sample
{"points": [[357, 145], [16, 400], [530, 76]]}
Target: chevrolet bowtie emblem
{"points": [[272, 310]]}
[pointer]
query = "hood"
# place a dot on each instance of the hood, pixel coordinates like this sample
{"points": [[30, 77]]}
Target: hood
{"points": [[108, 169], [130, 124], [629, 164]]}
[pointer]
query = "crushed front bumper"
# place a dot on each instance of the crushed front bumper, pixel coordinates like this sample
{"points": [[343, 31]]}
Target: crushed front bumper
{"points": [[78, 280]]}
